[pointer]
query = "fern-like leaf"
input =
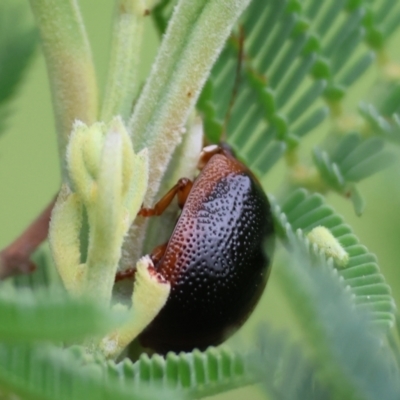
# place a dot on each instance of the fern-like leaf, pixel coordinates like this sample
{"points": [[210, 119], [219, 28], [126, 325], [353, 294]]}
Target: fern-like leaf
{"points": [[350, 161], [43, 314], [343, 54], [196, 374], [351, 358], [387, 127], [263, 121], [49, 373], [381, 21], [389, 103], [296, 53], [274, 361], [284, 371], [299, 213]]}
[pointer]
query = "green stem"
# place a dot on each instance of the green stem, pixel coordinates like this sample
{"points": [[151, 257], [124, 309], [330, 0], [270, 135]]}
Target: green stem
{"points": [[123, 83], [70, 67]]}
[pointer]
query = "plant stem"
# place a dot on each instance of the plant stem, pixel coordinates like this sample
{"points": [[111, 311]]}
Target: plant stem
{"points": [[15, 257], [123, 80], [70, 67]]}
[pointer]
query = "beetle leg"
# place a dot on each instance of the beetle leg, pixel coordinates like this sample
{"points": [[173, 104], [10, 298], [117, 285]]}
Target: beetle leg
{"points": [[181, 189], [155, 256], [158, 252], [126, 274]]}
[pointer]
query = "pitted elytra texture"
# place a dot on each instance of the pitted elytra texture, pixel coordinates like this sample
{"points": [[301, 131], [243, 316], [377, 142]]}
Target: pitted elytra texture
{"points": [[215, 259]]}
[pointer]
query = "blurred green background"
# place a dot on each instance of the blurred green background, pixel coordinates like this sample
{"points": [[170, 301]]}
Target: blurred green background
{"points": [[29, 174]]}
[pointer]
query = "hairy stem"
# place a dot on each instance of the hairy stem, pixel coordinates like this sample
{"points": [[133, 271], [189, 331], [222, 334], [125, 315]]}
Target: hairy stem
{"points": [[70, 67], [123, 80]]}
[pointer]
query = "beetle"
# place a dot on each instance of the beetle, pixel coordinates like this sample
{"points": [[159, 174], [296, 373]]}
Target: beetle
{"points": [[215, 259]]}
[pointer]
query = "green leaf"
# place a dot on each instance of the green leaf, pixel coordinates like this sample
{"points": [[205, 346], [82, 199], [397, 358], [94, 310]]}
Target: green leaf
{"points": [[357, 200], [48, 373], [48, 314], [352, 360], [388, 127], [351, 160], [284, 371], [274, 361], [354, 164], [196, 375], [271, 73], [299, 213], [381, 22], [295, 54], [18, 41], [330, 172], [390, 102]]}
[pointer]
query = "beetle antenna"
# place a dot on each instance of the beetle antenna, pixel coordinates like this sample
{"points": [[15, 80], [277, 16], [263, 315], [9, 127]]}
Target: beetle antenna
{"points": [[236, 84]]}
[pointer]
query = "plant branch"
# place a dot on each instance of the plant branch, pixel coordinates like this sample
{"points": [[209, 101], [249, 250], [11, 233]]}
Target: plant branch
{"points": [[15, 258], [70, 67]]}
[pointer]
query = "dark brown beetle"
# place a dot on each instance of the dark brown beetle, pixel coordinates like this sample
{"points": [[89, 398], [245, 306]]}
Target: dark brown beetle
{"points": [[215, 258]]}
